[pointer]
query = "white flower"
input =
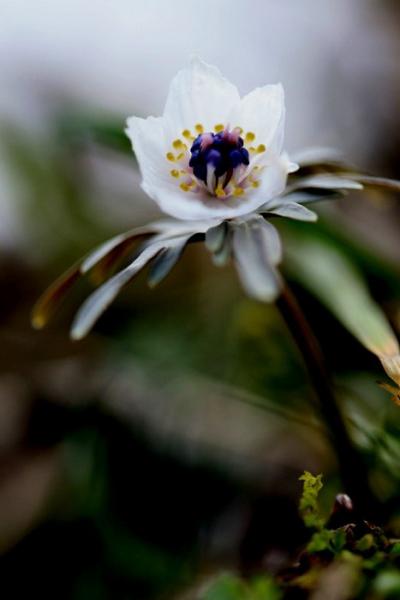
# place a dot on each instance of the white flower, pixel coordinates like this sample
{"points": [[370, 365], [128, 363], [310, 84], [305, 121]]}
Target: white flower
{"points": [[212, 155], [215, 163]]}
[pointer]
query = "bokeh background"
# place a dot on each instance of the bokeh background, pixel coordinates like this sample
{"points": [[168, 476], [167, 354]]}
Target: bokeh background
{"points": [[168, 444]]}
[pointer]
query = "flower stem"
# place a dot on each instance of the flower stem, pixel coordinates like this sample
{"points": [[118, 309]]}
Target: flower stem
{"points": [[353, 470]]}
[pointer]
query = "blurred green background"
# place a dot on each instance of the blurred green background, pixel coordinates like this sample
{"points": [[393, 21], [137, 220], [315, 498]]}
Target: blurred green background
{"points": [[167, 446]]}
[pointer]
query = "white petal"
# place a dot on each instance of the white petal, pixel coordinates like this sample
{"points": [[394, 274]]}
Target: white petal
{"points": [[150, 144], [199, 94], [317, 154], [97, 302], [257, 250], [262, 112], [199, 206], [101, 251], [272, 180], [292, 210], [327, 182]]}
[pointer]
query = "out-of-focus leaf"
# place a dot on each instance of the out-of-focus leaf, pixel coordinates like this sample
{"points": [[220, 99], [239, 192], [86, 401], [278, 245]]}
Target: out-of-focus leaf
{"points": [[387, 583], [231, 587], [53, 296], [336, 282], [377, 182], [101, 261], [257, 249], [308, 506], [226, 587]]}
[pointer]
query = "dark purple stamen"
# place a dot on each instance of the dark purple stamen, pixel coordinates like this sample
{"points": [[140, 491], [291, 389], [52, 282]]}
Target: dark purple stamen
{"points": [[223, 151]]}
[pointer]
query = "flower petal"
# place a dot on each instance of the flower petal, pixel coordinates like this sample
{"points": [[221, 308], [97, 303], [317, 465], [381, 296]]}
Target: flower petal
{"points": [[97, 302], [150, 144], [272, 180], [324, 181], [292, 210], [166, 261], [193, 206], [262, 112], [199, 94], [257, 249]]}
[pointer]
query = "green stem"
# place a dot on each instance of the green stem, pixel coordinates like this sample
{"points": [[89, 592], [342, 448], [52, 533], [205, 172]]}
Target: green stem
{"points": [[353, 470]]}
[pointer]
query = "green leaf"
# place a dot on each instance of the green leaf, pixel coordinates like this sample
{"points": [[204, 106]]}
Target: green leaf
{"points": [[395, 549], [365, 543], [264, 588], [320, 541], [231, 587], [338, 540], [226, 587], [336, 282], [387, 584], [308, 506], [377, 182]]}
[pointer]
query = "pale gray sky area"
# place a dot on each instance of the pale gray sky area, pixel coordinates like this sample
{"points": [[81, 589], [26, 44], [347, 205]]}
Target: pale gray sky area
{"points": [[120, 56]]}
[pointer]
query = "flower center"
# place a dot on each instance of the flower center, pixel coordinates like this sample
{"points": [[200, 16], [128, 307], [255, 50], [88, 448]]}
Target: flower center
{"points": [[218, 162], [214, 156]]}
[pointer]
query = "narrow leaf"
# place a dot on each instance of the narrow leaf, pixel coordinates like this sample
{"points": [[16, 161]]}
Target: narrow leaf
{"points": [[377, 182], [51, 299], [337, 283]]}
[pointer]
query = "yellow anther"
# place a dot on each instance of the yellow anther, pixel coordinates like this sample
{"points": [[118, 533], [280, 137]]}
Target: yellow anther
{"points": [[238, 191], [185, 187], [180, 156], [177, 144], [219, 127], [261, 148], [170, 156], [250, 136], [255, 184], [188, 135], [199, 128], [175, 173], [252, 149], [219, 191]]}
